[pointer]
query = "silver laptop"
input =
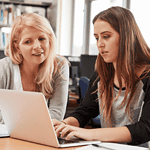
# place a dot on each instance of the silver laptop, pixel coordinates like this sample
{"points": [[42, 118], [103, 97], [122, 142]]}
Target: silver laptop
{"points": [[26, 117]]}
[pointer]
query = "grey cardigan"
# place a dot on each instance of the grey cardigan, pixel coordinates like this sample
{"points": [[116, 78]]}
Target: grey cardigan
{"points": [[10, 78]]}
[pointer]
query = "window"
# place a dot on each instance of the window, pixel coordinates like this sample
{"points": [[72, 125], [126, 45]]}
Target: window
{"points": [[96, 7], [78, 28], [142, 16]]}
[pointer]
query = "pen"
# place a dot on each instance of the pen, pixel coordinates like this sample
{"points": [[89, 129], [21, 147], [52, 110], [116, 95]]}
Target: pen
{"points": [[96, 145]]}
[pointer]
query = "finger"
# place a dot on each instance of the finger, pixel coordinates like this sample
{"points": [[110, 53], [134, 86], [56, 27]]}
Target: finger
{"points": [[73, 133], [59, 129], [65, 131], [55, 127], [77, 133], [57, 133]]}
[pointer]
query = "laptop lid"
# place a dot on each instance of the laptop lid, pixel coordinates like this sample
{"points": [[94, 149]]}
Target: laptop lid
{"points": [[27, 117]]}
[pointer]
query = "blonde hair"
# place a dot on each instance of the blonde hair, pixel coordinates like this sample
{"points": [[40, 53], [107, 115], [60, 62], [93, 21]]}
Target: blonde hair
{"points": [[50, 66]]}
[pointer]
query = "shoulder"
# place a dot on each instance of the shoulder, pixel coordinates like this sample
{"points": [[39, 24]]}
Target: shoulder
{"points": [[62, 67], [6, 64], [5, 68], [146, 87], [146, 81], [61, 61]]}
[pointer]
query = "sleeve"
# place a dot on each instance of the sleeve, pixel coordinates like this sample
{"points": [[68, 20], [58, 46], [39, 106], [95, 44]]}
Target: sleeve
{"points": [[58, 102], [89, 107], [4, 79], [4, 74], [140, 131]]}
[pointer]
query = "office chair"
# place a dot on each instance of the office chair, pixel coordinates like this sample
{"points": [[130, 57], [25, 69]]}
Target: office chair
{"points": [[83, 84]]}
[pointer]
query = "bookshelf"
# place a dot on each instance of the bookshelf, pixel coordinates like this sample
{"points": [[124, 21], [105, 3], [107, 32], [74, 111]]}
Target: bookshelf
{"points": [[7, 14], [43, 5]]}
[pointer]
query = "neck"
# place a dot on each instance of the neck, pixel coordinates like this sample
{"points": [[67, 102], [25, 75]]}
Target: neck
{"points": [[29, 70], [116, 82]]}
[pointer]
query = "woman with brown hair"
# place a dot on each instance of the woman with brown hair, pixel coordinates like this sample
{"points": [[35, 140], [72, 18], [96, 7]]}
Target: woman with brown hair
{"points": [[119, 89]]}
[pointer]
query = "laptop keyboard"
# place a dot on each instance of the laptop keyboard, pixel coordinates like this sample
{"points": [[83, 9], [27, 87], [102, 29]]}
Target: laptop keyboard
{"points": [[72, 140]]}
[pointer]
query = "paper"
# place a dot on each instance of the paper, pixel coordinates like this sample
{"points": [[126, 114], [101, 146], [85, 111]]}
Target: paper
{"points": [[3, 131], [114, 146], [90, 147]]}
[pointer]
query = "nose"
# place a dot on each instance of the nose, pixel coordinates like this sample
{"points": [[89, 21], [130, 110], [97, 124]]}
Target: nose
{"points": [[100, 43], [37, 44]]}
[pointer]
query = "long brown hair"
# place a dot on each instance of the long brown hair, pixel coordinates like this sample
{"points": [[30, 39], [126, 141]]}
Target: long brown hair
{"points": [[133, 53]]}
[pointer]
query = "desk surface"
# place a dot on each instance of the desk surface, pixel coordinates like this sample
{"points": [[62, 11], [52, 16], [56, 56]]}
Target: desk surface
{"points": [[15, 144]]}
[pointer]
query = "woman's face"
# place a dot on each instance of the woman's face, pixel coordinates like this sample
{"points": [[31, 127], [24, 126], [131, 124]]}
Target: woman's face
{"points": [[34, 46], [107, 41]]}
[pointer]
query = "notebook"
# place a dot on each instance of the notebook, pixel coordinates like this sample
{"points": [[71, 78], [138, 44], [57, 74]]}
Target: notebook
{"points": [[27, 117]]}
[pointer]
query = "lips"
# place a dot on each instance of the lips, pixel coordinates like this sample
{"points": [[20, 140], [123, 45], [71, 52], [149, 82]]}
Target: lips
{"points": [[38, 52], [104, 52]]}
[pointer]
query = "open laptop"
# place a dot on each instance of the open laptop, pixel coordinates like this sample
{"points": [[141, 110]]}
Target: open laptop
{"points": [[26, 117]]}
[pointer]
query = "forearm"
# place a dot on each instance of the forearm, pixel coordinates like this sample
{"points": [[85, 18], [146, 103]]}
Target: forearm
{"points": [[71, 121], [117, 135]]}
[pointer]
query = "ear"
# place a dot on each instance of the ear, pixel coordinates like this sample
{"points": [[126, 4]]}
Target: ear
{"points": [[17, 48]]}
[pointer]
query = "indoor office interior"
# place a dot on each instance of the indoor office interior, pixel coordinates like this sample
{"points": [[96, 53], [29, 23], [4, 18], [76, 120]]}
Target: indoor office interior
{"points": [[71, 21]]}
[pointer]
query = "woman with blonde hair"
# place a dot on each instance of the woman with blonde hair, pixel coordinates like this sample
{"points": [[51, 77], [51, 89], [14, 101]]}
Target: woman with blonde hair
{"points": [[32, 64], [119, 89]]}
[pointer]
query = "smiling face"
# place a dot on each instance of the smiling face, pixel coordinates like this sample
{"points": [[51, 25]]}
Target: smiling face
{"points": [[34, 46], [107, 41]]}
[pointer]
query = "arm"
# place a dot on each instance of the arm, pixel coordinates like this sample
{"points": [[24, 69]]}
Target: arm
{"points": [[4, 79], [59, 125], [58, 102], [5, 74], [140, 131], [85, 111], [71, 121], [70, 127], [89, 107], [116, 135]]}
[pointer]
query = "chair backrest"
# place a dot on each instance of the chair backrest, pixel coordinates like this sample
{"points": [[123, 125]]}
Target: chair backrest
{"points": [[83, 83]]}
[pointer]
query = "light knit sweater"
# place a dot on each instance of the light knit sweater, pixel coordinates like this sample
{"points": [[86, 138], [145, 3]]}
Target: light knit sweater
{"points": [[10, 78]]}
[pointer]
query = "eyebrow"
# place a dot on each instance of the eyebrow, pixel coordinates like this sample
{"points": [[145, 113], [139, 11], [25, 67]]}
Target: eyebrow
{"points": [[42, 35], [103, 32], [26, 38]]}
